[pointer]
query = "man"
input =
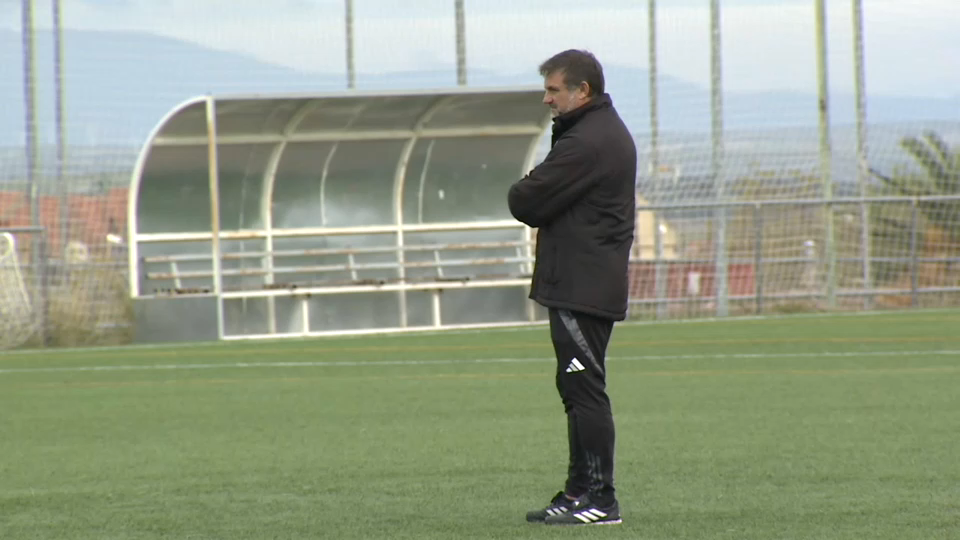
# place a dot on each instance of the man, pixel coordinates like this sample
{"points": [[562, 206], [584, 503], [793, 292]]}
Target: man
{"points": [[582, 201]]}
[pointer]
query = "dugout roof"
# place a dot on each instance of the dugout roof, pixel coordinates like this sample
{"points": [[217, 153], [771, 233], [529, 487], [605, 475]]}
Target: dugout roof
{"points": [[329, 162]]}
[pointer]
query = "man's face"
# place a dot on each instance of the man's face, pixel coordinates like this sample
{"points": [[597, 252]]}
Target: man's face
{"points": [[560, 98]]}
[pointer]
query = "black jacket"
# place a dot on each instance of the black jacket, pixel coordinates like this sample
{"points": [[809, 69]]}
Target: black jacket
{"points": [[582, 200]]}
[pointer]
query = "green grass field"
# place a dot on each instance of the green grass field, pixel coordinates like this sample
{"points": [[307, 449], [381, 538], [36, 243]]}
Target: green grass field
{"points": [[833, 427]]}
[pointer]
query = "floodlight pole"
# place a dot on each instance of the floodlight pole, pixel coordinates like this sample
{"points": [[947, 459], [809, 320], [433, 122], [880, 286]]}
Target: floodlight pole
{"points": [[461, 43], [660, 278], [61, 126], [30, 110], [863, 168], [716, 108], [351, 67], [38, 248], [829, 248]]}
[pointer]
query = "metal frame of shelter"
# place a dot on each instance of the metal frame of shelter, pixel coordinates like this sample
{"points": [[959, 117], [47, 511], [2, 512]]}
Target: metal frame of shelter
{"points": [[273, 215]]}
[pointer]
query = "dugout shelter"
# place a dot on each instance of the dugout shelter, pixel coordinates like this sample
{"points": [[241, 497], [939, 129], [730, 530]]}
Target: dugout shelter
{"points": [[269, 216]]}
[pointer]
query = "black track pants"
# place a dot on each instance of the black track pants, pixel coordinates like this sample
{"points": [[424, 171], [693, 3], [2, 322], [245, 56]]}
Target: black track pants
{"points": [[580, 342]]}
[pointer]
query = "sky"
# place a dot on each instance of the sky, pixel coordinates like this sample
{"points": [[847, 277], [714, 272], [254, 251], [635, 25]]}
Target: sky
{"points": [[911, 46]]}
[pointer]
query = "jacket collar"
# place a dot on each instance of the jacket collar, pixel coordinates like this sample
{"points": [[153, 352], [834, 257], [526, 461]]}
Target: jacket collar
{"points": [[568, 119]]}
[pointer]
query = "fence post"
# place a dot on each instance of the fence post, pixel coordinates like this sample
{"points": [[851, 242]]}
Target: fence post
{"points": [[863, 169], [43, 284], [30, 112], [758, 255], [716, 113], [914, 239], [660, 277], [826, 158], [60, 114]]}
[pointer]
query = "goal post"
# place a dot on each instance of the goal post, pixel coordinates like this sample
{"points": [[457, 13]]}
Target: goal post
{"points": [[17, 315]]}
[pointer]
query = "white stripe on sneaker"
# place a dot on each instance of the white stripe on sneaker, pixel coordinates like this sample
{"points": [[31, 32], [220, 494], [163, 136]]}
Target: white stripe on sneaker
{"points": [[590, 515]]}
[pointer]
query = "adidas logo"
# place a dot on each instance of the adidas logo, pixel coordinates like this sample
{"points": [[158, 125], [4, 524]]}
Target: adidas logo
{"points": [[575, 366]]}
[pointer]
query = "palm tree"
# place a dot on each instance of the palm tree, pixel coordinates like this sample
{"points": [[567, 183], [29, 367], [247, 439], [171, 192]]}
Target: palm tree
{"points": [[938, 175]]}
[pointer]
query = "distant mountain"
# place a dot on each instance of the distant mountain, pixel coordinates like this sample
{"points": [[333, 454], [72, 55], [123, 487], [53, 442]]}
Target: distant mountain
{"points": [[119, 84]]}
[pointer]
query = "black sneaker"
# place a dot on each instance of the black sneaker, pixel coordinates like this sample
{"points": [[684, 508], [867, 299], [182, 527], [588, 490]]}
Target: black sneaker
{"points": [[585, 512], [558, 505]]}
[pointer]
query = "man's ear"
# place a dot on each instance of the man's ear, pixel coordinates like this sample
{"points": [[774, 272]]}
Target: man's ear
{"points": [[584, 88]]}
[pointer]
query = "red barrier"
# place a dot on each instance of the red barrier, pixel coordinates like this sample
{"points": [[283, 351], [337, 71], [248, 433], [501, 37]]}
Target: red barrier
{"points": [[682, 281], [91, 217]]}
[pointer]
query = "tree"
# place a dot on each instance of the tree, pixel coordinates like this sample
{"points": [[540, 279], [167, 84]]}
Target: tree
{"points": [[939, 176], [938, 226]]}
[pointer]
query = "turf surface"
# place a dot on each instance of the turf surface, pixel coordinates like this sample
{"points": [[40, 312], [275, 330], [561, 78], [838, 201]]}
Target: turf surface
{"points": [[833, 427]]}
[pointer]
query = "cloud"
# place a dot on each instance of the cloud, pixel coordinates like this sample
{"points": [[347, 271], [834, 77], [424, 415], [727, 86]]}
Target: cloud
{"points": [[767, 44]]}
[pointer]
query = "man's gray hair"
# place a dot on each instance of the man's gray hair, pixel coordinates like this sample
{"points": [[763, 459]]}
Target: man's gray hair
{"points": [[577, 67]]}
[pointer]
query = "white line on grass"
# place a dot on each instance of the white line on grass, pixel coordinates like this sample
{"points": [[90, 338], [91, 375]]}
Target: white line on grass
{"points": [[244, 365], [521, 327]]}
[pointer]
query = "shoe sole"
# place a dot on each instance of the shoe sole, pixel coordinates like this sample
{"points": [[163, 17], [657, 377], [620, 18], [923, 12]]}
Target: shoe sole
{"points": [[580, 524]]}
